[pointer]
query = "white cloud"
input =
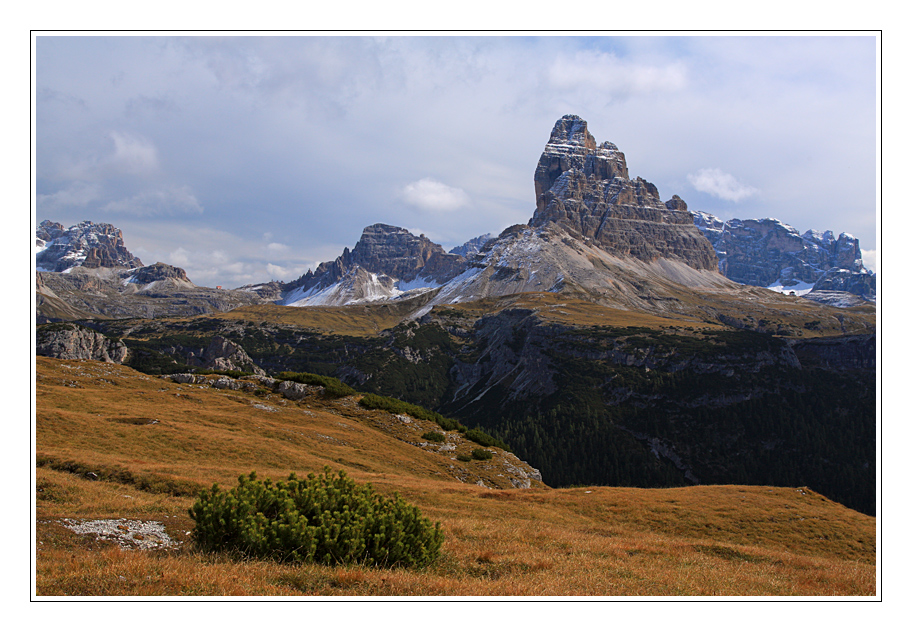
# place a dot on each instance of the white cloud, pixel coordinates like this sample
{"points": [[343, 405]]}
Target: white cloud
{"points": [[428, 194], [167, 201], [179, 257], [276, 247], [78, 194], [133, 154], [615, 77], [283, 273], [720, 184]]}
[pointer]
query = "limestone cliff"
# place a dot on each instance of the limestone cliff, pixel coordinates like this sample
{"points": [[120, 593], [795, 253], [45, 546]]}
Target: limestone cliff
{"points": [[75, 342], [86, 244], [586, 190]]}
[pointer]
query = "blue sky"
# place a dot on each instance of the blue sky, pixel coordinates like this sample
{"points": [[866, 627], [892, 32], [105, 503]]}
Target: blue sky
{"points": [[245, 159]]}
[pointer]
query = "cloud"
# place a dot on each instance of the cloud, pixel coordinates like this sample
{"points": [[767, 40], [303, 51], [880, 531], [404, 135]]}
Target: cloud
{"points": [[428, 194], [615, 77], [720, 184], [283, 273], [180, 257], [78, 194], [276, 247], [168, 201], [133, 154]]}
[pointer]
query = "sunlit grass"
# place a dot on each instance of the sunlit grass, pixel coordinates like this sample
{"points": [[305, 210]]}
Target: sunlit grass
{"points": [[706, 540]]}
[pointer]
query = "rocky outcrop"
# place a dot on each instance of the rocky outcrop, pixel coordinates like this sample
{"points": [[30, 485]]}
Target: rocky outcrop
{"points": [[69, 341], [472, 246], [585, 189], [769, 253], [158, 272], [854, 282], [224, 355], [150, 292], [86, 244], [385, 263]]}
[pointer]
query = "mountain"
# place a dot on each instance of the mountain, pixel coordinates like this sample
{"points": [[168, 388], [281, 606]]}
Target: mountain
{"points": [[86, 244], [585, 190], [768, 253], [86, 271], [594, 232], [387, 262], [472, 246], [599, 340]]}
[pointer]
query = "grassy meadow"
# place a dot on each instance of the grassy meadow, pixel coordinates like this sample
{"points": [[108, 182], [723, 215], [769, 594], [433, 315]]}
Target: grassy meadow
{"points": [[114, 443]]}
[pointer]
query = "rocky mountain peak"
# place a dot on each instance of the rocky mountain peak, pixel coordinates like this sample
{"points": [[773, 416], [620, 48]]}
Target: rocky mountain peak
{"points": [[86, 244], [386, 262], [585, 188], [159, 272], [768, 253], [394, 251], [472, 246], [571, 146]]}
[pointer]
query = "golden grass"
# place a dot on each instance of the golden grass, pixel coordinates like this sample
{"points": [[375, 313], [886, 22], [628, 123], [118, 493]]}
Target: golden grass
{"points": [[567, 310], [713, 540], [354, 320]]}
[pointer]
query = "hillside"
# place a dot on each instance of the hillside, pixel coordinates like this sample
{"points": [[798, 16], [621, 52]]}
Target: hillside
{"points": [[113, 443], [588, 394]]}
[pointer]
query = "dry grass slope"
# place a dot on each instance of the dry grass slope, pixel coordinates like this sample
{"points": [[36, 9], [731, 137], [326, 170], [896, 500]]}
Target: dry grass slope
{"points": [[152, 443]]}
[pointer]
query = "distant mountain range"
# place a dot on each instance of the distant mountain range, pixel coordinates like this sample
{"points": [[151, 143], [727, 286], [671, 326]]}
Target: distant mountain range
{"points": [[768, 253], [615, 339], [595, 232]]}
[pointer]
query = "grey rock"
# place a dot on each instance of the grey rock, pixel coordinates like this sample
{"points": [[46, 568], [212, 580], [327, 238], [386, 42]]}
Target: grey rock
{"points": [[762, 252], [586, 190], [70, 341], [86, 244], [225, 355]]}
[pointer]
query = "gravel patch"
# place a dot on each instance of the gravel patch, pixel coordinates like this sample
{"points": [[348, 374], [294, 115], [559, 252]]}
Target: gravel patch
{"points": [[129, 534]]}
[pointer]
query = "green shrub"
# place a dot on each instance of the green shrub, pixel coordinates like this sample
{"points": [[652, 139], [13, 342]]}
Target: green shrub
{"points": [[482, 455], [325, 519], [225, 372], [434, 436], [482, 438], [397, 407], [332, 387], [465, 458]]}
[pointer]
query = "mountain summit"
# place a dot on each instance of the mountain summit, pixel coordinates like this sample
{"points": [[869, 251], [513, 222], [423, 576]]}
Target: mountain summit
{"points": [[86, 244], [386, 263], [594, 231], [586, 190]]}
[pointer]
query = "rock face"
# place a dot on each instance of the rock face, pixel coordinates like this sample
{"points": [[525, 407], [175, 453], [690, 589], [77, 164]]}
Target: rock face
{"points": [[585, 189], [75, 342], [472, 246], [159, 272], [148, 292], [86, 244], [85, 271], [594, 231], [768, 253], [387, 262], [224, 355]]}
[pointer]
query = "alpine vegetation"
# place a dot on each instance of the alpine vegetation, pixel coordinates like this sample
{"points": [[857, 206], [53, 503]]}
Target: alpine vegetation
{"points": [[328, 519]]}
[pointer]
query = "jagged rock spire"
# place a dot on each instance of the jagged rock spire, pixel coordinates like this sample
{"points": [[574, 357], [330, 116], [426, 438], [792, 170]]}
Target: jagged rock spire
{"points": [[585, 188]]}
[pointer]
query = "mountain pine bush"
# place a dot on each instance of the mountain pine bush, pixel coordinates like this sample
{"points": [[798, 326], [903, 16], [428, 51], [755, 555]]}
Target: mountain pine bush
{"points": [[328, 519]]}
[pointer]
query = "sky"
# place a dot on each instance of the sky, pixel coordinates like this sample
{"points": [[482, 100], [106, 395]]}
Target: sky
{"points": [[244, 159]]}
